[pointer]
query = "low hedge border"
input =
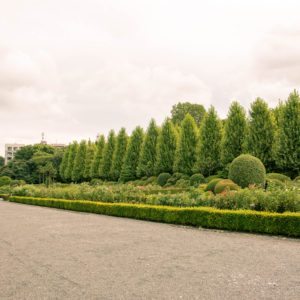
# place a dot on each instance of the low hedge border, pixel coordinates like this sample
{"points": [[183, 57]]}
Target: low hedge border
{"points": [[236, 220]]}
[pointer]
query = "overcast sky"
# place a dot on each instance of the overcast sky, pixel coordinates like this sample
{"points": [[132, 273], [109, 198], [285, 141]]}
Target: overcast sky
{"points": [[74, 68]]}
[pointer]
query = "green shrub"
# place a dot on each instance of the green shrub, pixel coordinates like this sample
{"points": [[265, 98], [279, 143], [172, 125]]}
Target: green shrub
{"points": [[247, 170], [183, 183], [151, 180], [236, 220], [197, 179], [96, 181], [278, 176], [5, 180], [275, 184], [163, 178], [211, 177], [297, 178], [211, 185], [16, 182], [225, 184]]}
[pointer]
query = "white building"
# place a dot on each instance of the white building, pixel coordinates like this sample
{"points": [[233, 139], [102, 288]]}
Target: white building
{"points": [[10, 150]]}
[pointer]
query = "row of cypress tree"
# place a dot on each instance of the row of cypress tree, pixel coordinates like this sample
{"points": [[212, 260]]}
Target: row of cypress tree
{"points": [[273, 135]]}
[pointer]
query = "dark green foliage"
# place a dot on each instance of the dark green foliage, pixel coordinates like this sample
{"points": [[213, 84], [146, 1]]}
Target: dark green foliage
{"points": [[163, 178], [90, 153], [132, 155], [179, 111], [209, 145], [247, 170], [261, 133], [288, 153], [278, 176], [64, 163], [94, 172], [71, 159], [79, 163], [1, 161], [166, 148], [185, 156], [234, 133], [107, 157], [119, 155], [146, 166], [197, 179], [212, 184], [225, 184], [239, 220], [5, 180], [175, 177]]}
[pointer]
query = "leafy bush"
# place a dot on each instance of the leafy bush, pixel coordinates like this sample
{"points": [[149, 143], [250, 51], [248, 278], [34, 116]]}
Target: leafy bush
{"points": [[183, 183], [278, 176], [211, 177], [151, 180], [176, 176], [5, 180], [247, 170], [163, 178], [197, 179], [262, 222], [225, 184], [212, 184], [95, 182], [297, 178]]}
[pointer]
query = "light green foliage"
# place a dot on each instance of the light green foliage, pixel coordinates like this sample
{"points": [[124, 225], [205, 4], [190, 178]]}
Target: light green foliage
{"points": [[146, 166], [278, 176], [94, 172], [79, 163], [90, 153], [64, 163], [234, 133], [261, 133], [179, 111], [209, 144], [212, 184], [288, 152], [71, 159], [107, 157], [132, 155], [246, 170], [225, 185], [119, 155], [166, 148], [5, 180], [185, 156]]}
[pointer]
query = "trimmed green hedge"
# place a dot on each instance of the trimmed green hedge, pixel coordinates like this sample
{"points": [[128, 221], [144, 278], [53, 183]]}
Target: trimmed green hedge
{"points": [[236, 220]]}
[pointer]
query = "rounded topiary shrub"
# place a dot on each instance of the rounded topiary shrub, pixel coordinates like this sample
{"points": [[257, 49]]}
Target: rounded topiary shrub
{"points": [[163, 178], [211, 177], [275, 184], [278, 176], [246, 170], [211, 185], [225, 184], [5, 180], [197, 179]]}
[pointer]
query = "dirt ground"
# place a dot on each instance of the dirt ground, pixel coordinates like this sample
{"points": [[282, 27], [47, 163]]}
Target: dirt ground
{"points": [[47, 253]]}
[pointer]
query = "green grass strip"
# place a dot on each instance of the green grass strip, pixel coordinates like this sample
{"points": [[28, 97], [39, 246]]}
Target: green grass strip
{"points": [[236, 220]]}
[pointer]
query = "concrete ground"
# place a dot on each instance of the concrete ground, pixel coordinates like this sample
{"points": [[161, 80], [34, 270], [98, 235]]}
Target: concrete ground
{"points": [[47, 253]]}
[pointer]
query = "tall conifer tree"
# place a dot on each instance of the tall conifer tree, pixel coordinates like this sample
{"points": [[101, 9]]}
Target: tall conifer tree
{"points": [[90, 152], [146, 165], [71, 159], [233, 141], [119, 155], [166, 147], [108, 152], [132, 155], [185, 157], [209, 144], [79, 163], [94, 172], [64, 163]]}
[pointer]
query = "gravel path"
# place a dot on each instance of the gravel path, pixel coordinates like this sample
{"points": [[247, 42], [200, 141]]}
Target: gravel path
{"points": [[47, 253]]}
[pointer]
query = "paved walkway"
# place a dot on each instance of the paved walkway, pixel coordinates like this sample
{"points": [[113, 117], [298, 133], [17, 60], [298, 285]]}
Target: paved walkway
{"points": [[47, 253]]}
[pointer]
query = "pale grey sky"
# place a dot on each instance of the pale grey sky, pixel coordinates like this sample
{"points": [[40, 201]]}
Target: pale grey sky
{"points": [[74, 68]]}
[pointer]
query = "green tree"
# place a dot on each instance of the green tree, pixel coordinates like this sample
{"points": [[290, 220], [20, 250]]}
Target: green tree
{"points": [[132, 155], [233, 141], [185, 156], [79, 163], [108, 152], [94, 172], [288, 152], [1, 161], [64, 163], [166, 148], [179, 111], [90, 151], [146, 165], [261, 133], [70, 163], [119, 155], [209, 144]]}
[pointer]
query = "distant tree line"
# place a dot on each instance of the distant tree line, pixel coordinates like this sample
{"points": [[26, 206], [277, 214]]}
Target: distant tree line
{"points": [[192, 141]]}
